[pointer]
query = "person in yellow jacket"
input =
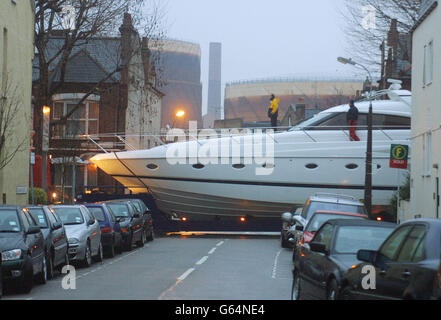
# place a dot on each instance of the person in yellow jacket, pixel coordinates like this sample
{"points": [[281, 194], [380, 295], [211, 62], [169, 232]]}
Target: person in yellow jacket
{"points": [[273, 111]]}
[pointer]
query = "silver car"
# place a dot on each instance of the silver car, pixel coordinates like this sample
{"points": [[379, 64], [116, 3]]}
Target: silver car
{"points": [[83, 233]]}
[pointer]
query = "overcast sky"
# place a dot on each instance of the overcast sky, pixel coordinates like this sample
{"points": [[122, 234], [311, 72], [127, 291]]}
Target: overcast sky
{"points": [[262, 38]]}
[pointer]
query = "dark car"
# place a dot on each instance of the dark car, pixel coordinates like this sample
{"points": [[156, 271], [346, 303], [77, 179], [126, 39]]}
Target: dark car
{"points": [[54, 233], [319, 265], [22, 248], [131, 223], [147, 217], [111, 234], [407, 265]]}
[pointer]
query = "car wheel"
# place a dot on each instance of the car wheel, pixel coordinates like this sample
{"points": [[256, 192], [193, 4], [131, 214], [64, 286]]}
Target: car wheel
{"points": [[111, 251], [42, 275], [142, 241], [26, 281], [283, 242], [65, 262], [151, 237], [129, 244], [332, 290], [296, 288], [99, 256], [87, 262], [49, 265]]}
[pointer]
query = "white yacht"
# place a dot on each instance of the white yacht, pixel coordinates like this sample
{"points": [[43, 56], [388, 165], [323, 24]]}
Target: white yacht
{"points": [[191, 179]]}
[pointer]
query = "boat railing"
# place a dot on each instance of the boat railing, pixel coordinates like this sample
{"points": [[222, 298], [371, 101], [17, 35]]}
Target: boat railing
{"points": [[110, 142]]}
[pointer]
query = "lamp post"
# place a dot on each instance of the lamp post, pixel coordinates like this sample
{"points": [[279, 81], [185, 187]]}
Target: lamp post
{"points": [[368, 173], [45, 145], [179, 114]]}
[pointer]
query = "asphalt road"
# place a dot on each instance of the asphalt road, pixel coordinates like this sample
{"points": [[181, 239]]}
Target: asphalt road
{"points": [[182, 267]]}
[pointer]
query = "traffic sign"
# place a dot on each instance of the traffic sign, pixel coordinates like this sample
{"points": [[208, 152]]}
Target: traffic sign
{"points": [[399, 156]]}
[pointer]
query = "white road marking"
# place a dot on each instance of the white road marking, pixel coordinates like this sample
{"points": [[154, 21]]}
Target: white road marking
{"points": [[202, 260], [212, 251], [186, 274], [220, 243], [276, 261]]}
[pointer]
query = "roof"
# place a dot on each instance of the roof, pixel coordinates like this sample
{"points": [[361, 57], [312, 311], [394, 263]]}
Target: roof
{"points": [[89, 62], [10, 207], [342, 199], [354, 214], [358, 222], [436, 222], [426, 9], [378, 106]]}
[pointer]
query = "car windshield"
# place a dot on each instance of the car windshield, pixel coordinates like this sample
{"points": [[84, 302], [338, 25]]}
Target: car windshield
{"points": [[350, 239], [119, 209], [320, 218], [329, 206], [70, 216], [98, 213], [39, 217], [9, 221]]}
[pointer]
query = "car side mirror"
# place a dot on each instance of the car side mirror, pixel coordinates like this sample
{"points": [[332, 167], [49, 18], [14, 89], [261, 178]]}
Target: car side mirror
{"points": [[118, 219], [318, 247], [292, 240], [300, 228], [57, 225], [33, 230], [367, 256], [91, 222]]}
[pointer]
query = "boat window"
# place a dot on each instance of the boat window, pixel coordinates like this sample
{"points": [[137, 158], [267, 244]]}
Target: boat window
{"points": [[336, 122], [311, 166], [396, 122], [238, 166], [351, 166], [152, 166], [384, 122], [314, 121], [198, 166]]}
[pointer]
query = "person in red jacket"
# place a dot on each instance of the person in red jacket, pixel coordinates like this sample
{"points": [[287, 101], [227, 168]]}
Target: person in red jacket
{"points": [[352, 117]]}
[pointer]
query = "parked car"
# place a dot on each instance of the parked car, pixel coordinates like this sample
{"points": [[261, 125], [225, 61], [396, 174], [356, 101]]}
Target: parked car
{"points": [[407, 265], [130, 221], [111, 233], [305, 235], [287, 224], [320, 264], [83, 233], [147, 217], [22, 248], [318, 202], [55, 238]]}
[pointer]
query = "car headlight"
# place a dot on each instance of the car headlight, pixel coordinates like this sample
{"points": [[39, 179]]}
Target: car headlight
{"points": [[11, 255], [73, 241]]}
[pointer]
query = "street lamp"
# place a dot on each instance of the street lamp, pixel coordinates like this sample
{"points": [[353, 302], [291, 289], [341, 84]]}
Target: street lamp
{"points": [[45, 145], [179, 114], [368, 176]]}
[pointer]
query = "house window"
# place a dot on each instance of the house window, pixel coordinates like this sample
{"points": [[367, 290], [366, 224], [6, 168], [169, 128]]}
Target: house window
{"points": [[428, 64], [427, 154], [83, 119]]}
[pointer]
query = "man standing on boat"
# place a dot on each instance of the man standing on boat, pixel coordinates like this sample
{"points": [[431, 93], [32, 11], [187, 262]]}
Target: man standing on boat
{"points": [[352, 117], [273, 111]]}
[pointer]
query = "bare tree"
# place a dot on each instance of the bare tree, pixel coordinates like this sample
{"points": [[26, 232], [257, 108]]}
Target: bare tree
{"points": [[367, 23], [82, 21], [10, 105]]}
